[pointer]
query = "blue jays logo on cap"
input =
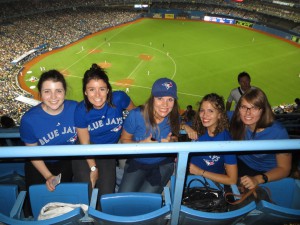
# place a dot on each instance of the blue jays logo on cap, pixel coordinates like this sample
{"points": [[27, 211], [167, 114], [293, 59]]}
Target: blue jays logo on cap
{"points": [[164, 87], [167, 85]]}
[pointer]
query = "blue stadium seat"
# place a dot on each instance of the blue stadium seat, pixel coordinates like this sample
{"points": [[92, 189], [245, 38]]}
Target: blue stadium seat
{"points": [[72, 217], [285, 209], [130, 204], [74, 193], [188, 216], [15, 217], [8, 197], [11, 167], [158, 214]]}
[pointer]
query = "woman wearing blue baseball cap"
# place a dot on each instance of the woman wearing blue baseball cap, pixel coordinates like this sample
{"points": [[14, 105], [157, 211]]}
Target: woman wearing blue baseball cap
{"points": [[155, 121]]}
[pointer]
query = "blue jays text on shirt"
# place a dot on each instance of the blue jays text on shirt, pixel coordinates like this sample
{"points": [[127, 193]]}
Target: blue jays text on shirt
{"points": [[56, 133], [110, 121]]}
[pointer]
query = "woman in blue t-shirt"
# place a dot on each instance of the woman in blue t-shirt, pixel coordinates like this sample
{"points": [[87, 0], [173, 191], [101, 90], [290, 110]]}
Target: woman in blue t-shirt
{"points": [[211, 124], [49, 123], [156, 121], [253, 119], [99, 120]]}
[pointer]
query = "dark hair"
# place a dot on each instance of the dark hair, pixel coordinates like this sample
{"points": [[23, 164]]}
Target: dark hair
{"points": [[96, 73], [7, 122], [218, 103], [173, 118], [243, 74], [53, 75], [257, 98]]}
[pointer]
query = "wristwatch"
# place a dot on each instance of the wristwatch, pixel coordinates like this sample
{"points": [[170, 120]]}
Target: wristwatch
{"points": [[93, 168], [265, 177]]}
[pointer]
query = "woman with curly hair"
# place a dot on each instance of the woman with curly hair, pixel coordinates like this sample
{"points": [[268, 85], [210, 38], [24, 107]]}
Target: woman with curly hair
{"points": [[211, 124]]}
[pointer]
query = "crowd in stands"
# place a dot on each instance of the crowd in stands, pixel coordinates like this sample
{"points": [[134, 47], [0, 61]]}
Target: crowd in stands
{"points": [[265, 12], [55, 29], [29, 24]]}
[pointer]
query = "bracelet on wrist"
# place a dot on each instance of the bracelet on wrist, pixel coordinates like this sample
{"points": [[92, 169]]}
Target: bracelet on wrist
{"points": [[49, 177]]}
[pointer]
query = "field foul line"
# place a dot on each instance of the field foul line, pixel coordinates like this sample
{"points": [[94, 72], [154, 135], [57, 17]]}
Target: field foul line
{"points": [[74, 63], [73, 76], [79, 52], [156, 49], [138, 65], [126, 27]]}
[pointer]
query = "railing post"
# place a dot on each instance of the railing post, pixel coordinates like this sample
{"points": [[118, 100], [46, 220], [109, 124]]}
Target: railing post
{"points": [[179, 184]]}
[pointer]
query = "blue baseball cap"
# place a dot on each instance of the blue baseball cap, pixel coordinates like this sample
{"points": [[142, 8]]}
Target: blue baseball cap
{"points": [[164, 87]]}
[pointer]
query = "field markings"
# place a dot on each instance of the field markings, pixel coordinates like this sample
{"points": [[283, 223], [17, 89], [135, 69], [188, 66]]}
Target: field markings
{"points": [[74, 63], [156, 49], [142, 45], [74, 76], [138, 65], [79, 52], [149, 88]]}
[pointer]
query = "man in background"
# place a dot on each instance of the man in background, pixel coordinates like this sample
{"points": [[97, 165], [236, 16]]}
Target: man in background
{"points": [[235, 94]]}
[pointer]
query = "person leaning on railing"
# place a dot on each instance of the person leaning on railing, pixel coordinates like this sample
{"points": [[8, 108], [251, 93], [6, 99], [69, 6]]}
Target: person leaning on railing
{"points": [[99, 120], [253, 119], [49, 123]]}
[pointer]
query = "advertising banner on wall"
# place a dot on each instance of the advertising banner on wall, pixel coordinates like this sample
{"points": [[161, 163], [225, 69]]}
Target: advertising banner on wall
{"points": [[157, 15], [219, 19], [169, 16], [243, 23]]}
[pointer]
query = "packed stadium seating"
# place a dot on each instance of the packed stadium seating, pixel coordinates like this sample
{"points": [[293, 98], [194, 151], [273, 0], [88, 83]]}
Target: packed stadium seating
{"points": [[21, 32], [29, 24]]}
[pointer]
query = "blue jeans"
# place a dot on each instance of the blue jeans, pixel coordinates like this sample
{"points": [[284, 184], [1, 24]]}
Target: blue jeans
{"points": [[136, 181]]}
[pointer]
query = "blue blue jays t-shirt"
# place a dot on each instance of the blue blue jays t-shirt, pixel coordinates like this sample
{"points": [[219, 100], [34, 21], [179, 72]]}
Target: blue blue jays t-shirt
{"points": [[214, 163], [135, 125], [264, 162], [37, 126], [105, 124]]}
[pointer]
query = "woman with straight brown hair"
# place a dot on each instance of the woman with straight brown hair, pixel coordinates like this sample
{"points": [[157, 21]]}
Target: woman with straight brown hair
{"points": [[253, 119]]}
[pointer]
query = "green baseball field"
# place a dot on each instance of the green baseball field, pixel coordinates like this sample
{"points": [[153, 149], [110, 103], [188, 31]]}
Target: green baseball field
{"points": [[200, 57]]}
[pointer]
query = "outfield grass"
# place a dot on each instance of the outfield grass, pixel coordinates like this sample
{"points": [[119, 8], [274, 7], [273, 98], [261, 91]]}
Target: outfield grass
{"points": [[201, 57]]}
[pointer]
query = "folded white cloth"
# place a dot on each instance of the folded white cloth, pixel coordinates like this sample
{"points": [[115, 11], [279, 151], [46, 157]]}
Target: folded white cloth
{"points": [[54, 209]]}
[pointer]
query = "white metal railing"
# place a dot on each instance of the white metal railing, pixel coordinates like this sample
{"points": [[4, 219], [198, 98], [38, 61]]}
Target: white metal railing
{"points": [[182, 149]]}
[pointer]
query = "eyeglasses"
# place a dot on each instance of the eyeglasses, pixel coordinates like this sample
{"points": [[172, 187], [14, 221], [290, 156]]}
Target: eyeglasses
{"points": [[253, 109]]}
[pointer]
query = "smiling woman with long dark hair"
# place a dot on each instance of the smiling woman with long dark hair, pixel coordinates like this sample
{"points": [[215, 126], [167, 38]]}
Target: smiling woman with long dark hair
{"points": [[99, 120]]}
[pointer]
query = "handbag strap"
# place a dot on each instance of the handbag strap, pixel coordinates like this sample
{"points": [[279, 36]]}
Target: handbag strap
{"points": [[196, 179], [241, 196], [205, 184], [218, 185]]}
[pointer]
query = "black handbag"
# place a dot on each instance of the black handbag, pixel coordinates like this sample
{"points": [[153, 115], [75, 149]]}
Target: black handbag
{"points": [[204, 198]]}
